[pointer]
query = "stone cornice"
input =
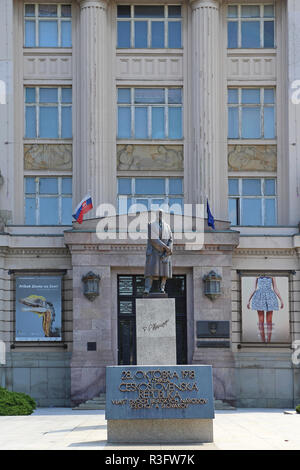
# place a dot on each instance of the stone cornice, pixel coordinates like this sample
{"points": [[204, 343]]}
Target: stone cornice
{"points": [[264, 252]]}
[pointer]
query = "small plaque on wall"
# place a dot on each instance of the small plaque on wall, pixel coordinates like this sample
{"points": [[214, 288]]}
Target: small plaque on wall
{"points": [[213, 329]]}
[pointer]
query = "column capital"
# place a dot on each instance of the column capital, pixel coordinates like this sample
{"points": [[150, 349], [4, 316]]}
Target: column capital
{"points": [[195, 4], [92, 3]]}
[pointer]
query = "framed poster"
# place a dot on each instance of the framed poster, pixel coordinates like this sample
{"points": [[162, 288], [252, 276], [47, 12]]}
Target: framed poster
{"points": [[38, 308], [265, 309]]}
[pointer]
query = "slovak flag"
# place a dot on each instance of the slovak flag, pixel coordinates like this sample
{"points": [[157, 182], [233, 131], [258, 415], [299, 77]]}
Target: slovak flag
{"points": [[83, 207]]}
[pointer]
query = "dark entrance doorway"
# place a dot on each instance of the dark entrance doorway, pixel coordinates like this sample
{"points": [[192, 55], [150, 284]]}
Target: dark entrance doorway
{"points": [[129, 288]]}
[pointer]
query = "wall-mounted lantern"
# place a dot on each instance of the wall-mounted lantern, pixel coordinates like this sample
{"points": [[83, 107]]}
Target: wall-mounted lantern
{"points": [[212, 285], [91, 285]]}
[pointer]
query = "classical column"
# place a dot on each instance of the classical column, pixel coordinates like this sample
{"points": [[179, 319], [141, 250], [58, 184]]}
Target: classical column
{"points": [[202, 155], [94, 165]]}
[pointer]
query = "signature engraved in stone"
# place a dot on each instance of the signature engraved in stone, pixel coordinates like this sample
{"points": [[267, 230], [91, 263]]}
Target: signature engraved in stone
{"points": [[155, 326]]}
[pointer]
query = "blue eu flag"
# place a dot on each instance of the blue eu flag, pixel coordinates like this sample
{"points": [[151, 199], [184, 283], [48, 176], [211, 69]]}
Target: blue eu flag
{"points": [[210, 219]]}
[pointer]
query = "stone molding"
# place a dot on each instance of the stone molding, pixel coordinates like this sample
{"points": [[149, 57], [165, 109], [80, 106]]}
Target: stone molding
{"points": [[195, 4], [264, 252], [92, 4]]}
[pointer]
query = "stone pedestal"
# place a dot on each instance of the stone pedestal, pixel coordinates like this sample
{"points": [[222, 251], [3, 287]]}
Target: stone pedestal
{"points": [[155, 331]]}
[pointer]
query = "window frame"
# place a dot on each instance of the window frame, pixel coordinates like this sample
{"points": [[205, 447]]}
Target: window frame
{"points": [[239, 19], [133, 106], [37, 196], [262, 105], [38, 104], [165, 19], [37, 19], [262, 197], [134, 197]]}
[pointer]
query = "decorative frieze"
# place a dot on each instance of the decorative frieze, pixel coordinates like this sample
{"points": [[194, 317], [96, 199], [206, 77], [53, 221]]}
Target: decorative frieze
{"points": [[252, 157], [48, 66], [150, 157], [258, 67], [48, 157], [150, 66]]}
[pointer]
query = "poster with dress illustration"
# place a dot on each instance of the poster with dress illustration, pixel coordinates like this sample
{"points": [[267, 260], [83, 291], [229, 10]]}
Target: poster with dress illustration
{"points": [[38, 308], [265, 309]]}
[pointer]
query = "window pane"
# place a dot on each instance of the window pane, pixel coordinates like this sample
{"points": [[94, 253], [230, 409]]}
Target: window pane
{"points": [[233, 123], [268, 11], [250, 34], [149, 95], [251, 123], [29, 10], [124, 204], [157, 34], [233, 186], [251, 96], [140, 34], [175, 186], [149, 11], [269, 95], [49, 211], [66, 211], [48, 10], [141, 205], [30, 185], [124, 122], [269, 123], [175, 205], [48, 36], [141, 123], [232, 34], [270, 212], [150, 186], [251, 187], [158, 123], [269, 187], [251, 212], [174, 34], [124, 95], [157, 204], [124, 186], [123, 34], [48, 186], [66, 11], [48, 122], [66, 122], [48, 95], [175, 123], [30, 211], [66, 186], [233, 211], [175, 95], [30, 118], [233, 96], [66, 95], [174, 11], [29, 33], [250, 11], [30, 95], [269, 34], [232, 11], [123, 11], [66, 34]]}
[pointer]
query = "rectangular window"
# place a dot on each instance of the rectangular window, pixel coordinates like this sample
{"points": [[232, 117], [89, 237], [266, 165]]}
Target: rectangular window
{"points": [[47, 25], [150, 113], [48, 200], [149, 26], [250, 26], [145, 194], [251, 113], [252, 201], [48, 112]]}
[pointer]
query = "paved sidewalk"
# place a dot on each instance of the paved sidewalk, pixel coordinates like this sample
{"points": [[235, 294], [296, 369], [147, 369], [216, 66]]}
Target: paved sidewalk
{"points": [[64, 428]]}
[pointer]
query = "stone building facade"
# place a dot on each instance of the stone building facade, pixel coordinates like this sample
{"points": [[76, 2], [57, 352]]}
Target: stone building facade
{"points": [[179, 102]]}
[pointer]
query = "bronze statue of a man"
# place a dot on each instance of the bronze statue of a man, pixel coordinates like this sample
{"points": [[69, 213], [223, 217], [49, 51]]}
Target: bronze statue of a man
{"points": [[158, 254]]}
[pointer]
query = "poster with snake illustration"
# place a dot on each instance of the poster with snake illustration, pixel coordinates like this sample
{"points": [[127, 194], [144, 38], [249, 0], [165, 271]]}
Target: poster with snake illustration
{"points": [[265, 309], [38, 308]]}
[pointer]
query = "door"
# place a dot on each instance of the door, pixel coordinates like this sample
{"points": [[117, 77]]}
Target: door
{"points": [[131, 287]]}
